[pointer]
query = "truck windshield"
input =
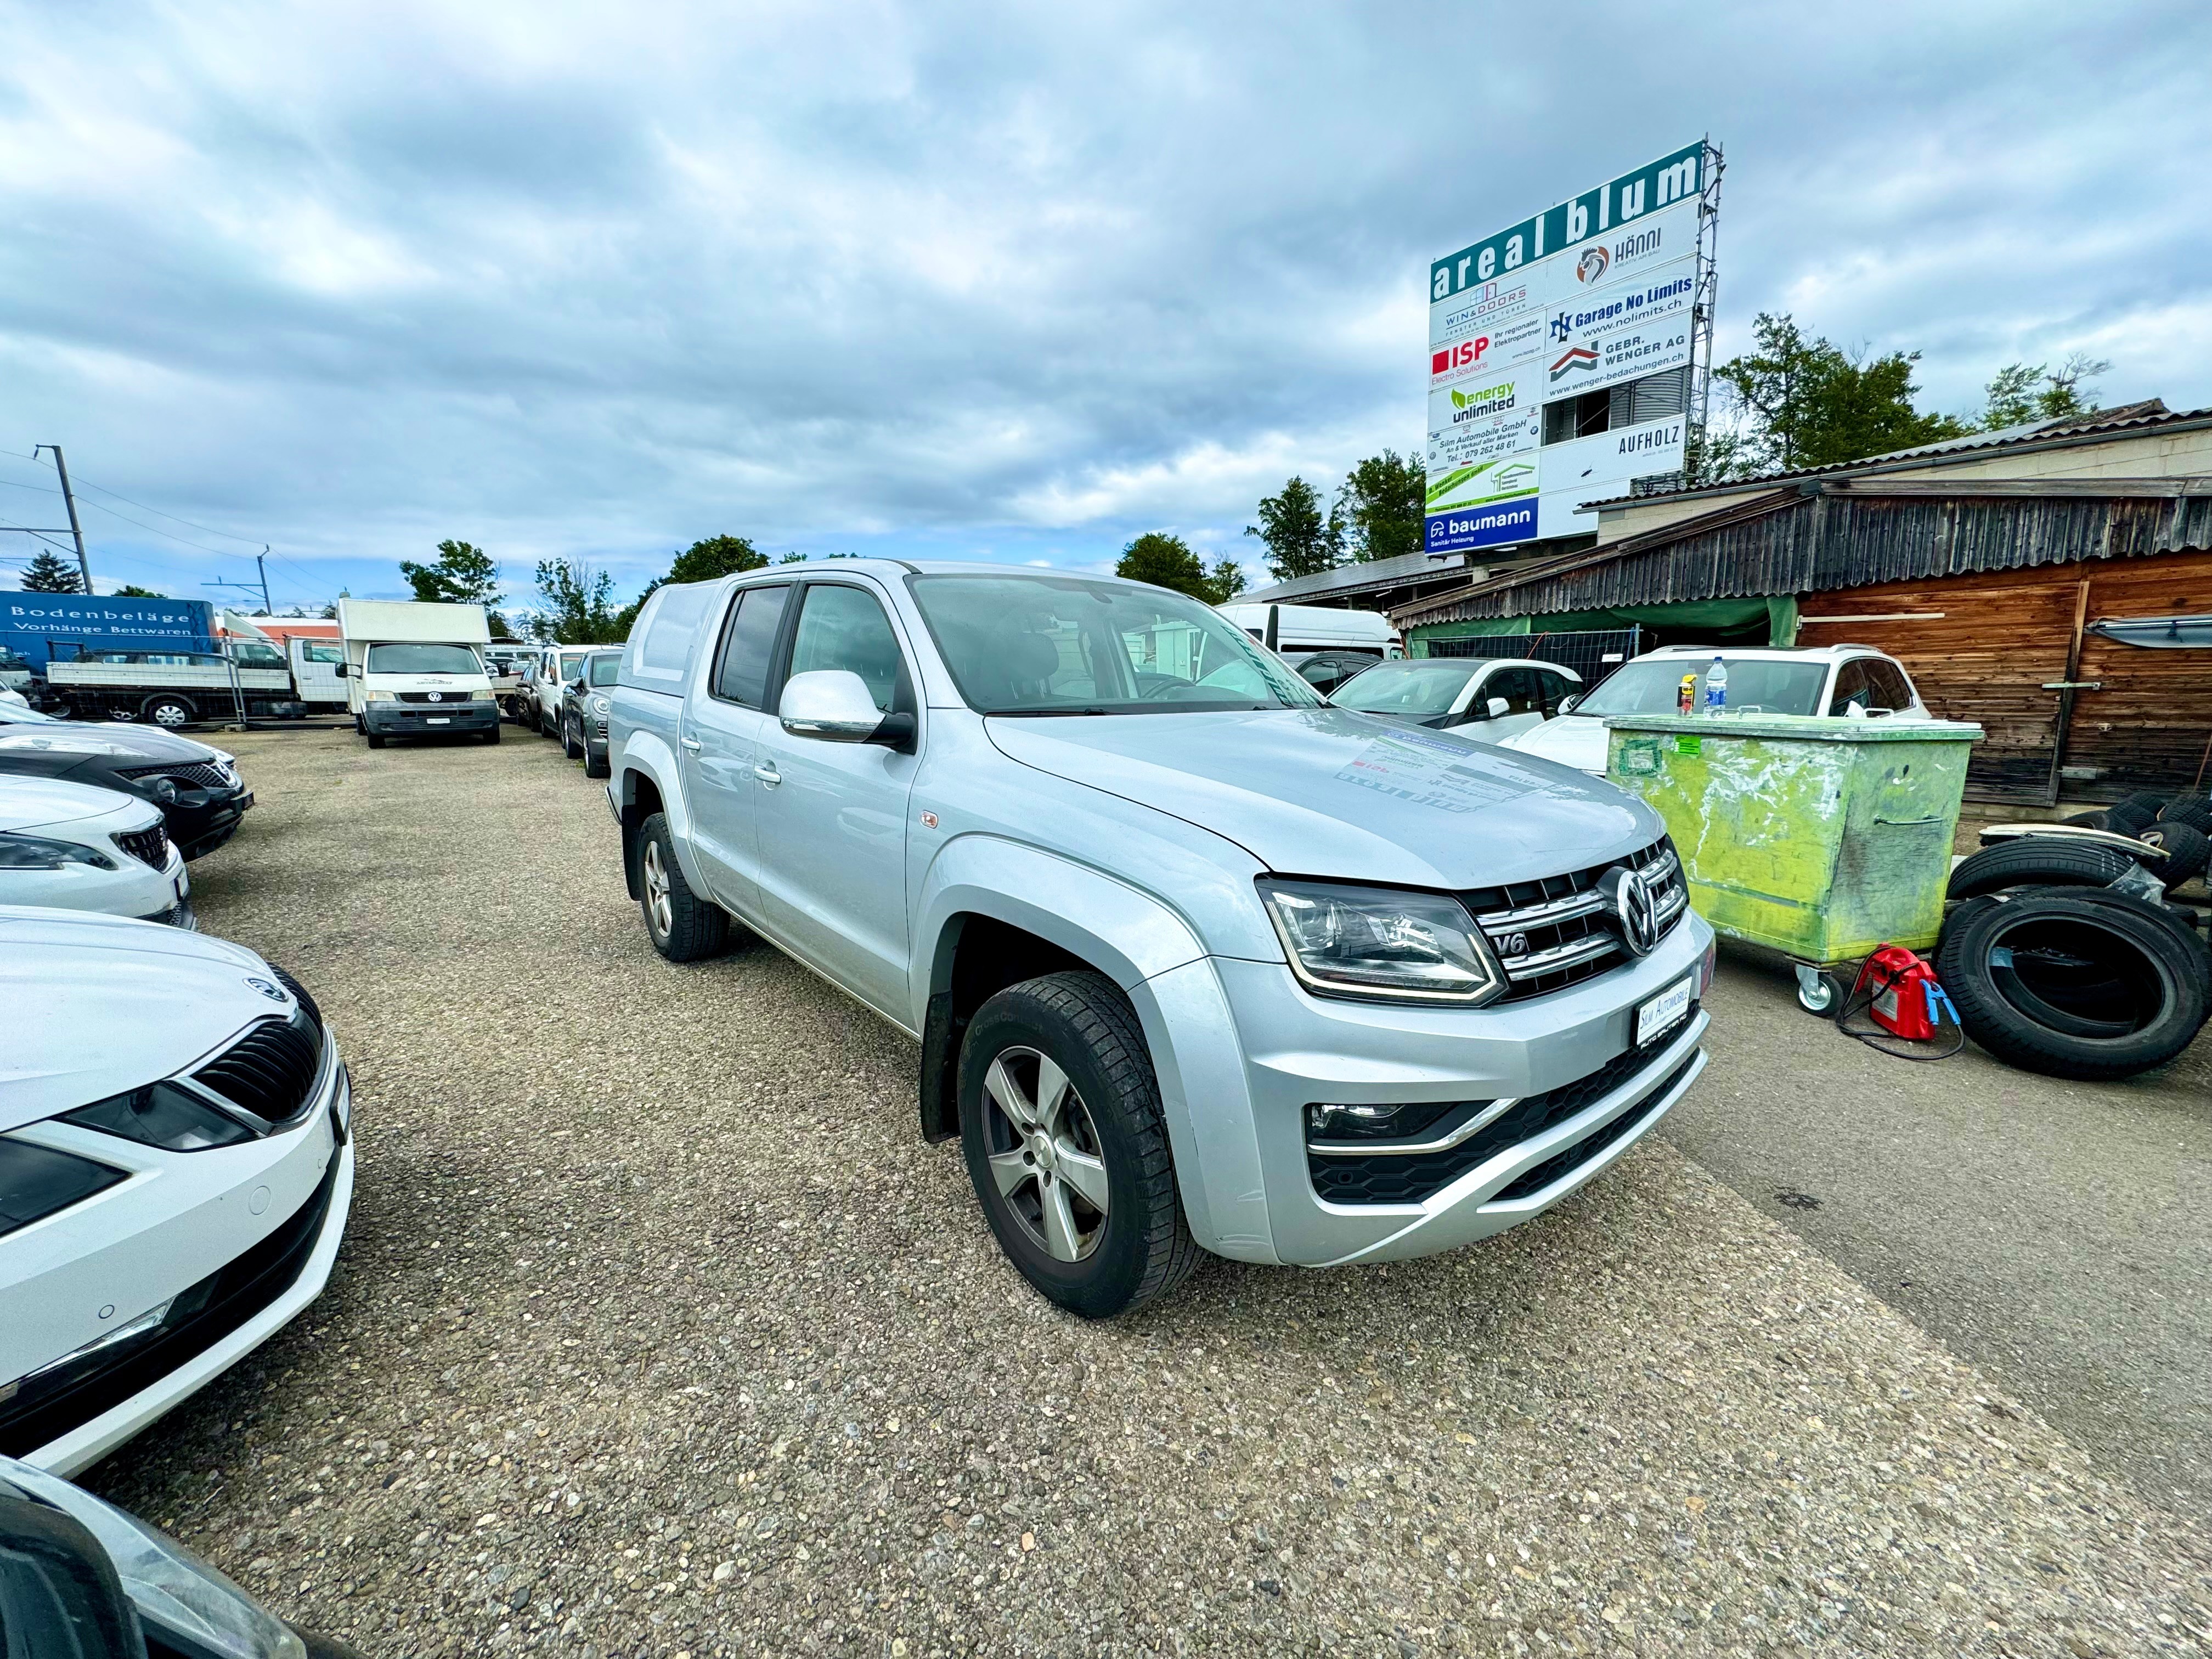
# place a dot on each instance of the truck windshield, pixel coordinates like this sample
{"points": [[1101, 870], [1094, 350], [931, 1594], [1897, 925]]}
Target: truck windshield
{"points": [[1054, 645], [1765, 687], [423, 659]]}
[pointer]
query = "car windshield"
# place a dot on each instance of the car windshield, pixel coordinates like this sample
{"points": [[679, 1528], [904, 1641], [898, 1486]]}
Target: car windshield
{"points": [[1055, 645], [604, 669], [1408, 688], [423, 659], [1754, 686]]}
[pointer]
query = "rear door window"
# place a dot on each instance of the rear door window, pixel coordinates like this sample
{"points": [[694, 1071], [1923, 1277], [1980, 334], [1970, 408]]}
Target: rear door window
{"points": [[1851, 688], [741, 675], [1888, 685]]}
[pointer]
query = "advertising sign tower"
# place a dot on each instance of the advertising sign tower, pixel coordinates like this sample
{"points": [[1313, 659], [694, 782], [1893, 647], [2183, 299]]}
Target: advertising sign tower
{"points": [[1568, 353]]}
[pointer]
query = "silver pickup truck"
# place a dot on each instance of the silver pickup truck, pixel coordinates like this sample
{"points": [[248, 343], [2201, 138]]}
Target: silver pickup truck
{"points": [[1195, 960]]}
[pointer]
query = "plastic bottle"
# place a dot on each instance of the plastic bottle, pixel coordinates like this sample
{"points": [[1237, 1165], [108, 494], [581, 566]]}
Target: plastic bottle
{"points": [[1717, 688], [1686, 695]]}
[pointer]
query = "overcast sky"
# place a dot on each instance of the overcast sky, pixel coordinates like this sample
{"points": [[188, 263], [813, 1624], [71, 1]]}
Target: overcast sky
{"points": [[1012, 282]]}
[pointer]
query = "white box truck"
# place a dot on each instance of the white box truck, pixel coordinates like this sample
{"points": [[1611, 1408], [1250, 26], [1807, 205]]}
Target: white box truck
{"points": [[416, 671]]}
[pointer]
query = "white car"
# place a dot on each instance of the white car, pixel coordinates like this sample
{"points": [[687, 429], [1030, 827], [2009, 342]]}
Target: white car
{"points": [[543, 680], [176, 1167], [1489, 699], [73, 847], [1852, 680]]}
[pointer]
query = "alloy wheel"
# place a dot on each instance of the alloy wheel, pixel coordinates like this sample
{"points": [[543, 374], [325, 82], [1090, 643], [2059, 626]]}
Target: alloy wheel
{"points": [[1044, 1153], [660, 909]]}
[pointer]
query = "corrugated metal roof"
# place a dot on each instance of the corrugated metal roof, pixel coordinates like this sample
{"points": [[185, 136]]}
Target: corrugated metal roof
{"points": [[2092, 428], [1812, 537], [1396, 572]]}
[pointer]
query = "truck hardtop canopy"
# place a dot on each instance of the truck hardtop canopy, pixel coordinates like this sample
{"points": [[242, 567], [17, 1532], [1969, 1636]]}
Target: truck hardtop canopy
{"points": [[388, 622]]}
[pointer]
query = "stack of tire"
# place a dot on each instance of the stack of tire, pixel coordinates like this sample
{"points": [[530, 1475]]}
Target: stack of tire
{"points": [[2053, 968]]}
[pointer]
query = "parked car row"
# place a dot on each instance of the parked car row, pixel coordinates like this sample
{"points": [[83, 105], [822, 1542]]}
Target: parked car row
{"points": [[104, 817], [563, 694]]}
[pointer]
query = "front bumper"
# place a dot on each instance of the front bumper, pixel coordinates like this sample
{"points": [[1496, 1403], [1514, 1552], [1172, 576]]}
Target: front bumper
{"points": [[180, 1222], [1301, 1050], [202, 819], [428, 719]]}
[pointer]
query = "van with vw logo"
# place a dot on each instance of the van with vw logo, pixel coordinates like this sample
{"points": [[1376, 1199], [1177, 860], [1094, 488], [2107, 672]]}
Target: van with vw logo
{"points": [[1194, 960], [416, 671]]}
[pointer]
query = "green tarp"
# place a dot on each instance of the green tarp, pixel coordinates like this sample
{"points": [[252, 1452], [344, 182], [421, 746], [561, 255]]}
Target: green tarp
{"points": [[1719, 616]]}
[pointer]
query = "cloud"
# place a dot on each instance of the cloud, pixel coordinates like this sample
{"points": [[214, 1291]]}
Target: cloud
{"points": [[561, 280]]}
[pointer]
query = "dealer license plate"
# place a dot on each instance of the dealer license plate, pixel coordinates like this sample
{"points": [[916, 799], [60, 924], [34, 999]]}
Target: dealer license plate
{"points": [[1668, 1008], [439, 719]]}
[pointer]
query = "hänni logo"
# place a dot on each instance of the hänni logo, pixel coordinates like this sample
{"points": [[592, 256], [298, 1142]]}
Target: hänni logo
{"points": [[1592, 264]]}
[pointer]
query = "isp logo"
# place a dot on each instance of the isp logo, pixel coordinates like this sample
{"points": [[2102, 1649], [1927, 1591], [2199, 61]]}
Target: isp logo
{"points": [[1458, 358]]}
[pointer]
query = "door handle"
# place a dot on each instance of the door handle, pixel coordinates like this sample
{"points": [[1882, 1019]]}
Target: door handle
{"points": [[767, 774], [692, 743]]}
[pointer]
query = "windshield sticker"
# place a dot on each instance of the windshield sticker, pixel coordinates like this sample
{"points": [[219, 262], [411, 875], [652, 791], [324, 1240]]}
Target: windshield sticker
{"points": [[1435, 772]]}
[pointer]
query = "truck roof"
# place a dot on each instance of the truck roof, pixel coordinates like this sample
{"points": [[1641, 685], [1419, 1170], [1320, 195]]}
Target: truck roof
{"points": [[407, 620]]}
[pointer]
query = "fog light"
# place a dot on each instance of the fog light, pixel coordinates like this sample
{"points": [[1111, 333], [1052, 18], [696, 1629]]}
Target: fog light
{"points": [[1395, 1121]]}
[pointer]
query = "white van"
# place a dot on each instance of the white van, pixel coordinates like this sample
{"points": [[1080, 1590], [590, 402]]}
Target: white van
{"points": [[1327, 646], [415, 669]]}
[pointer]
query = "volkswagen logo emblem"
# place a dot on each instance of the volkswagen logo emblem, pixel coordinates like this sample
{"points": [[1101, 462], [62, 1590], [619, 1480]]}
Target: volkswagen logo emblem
{"points": [[1633, 913], [437, 696]]}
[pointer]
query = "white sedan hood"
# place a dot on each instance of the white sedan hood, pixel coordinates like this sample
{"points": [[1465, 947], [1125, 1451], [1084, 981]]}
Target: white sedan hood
{"points": [[96, 1005], [1573, 741], [30, 803]]}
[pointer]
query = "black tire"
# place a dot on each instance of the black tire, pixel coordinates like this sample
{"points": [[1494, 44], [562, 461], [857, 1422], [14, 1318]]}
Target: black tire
{"points": [[601, 768], [570, 747], [694, 929], [2195, 810], [2143, 800], [375, 739], [1140, 1248], [492, 736], [2086, 820], [2181, 923], [2187, 850], [2038, 861], [167, 708], [2129, 816], [2073, 987]]}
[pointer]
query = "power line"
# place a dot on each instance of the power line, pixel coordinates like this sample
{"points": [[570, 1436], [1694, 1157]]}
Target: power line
{"points": [[86, 484]]}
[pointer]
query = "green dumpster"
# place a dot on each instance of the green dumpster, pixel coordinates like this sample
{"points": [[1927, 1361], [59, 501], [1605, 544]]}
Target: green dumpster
{"points": [[1823, 838]]}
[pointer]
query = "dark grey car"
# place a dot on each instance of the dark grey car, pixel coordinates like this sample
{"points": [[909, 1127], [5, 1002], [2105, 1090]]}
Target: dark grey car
{"points": [[584, 711]]}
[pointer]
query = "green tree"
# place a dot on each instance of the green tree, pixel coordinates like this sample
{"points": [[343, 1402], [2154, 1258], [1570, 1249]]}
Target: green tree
{"points": [[1804, 403], [1167, 560], [132, 592], [50, 573], [501, 629], [579, 604], [712, 556], [1299, 536], [2021, 392], [1380, 507], [463, 575]]}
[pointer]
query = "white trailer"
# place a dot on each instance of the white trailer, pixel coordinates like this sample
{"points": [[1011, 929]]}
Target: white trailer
{"points": [[413, 670]]}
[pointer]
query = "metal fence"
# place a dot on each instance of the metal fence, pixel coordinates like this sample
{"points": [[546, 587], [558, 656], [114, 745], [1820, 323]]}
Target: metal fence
{"points": [[1593, 654]]}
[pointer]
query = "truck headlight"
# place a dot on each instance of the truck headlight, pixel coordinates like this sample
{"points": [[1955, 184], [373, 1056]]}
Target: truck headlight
{"points": [[378, 696], [1382, 944], [37, 852]]}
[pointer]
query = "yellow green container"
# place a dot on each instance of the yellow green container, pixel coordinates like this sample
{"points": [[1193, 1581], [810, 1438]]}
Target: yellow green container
{"points": [[1823, 838]]}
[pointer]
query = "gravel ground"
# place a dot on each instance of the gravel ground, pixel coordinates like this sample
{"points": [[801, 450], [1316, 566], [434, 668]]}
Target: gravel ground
{"points": [[659, 1332]]}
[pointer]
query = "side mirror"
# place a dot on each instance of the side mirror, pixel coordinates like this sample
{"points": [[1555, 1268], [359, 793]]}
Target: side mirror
{"points": [[1568, 704], [1498, 705], [834, 704]]}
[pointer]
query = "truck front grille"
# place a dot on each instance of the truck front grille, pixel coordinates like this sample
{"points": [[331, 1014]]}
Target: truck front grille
{"points": [[1554, 931]]}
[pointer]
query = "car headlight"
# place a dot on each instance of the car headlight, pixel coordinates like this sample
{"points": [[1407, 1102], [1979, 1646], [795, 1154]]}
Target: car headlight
{"points": [[171, 1587], [161, 1114], [378, 696], [37, 1181], [1382, 944], [37, 852], [599, 705], [165, 791]]}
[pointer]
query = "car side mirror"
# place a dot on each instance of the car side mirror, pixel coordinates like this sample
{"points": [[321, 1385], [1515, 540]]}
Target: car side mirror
{"points": [[836, 706], [1498, 705], [1567, 704]]}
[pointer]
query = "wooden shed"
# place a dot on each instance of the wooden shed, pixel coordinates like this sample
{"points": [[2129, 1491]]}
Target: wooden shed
{"points": [[1979, 565]]}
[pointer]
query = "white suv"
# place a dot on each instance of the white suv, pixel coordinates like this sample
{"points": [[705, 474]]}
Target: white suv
{"points": [[1852, 680]]}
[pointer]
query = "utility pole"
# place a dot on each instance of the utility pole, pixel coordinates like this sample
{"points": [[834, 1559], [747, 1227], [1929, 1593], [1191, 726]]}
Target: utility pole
{"points": [[262, 570], [83, 566]]}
